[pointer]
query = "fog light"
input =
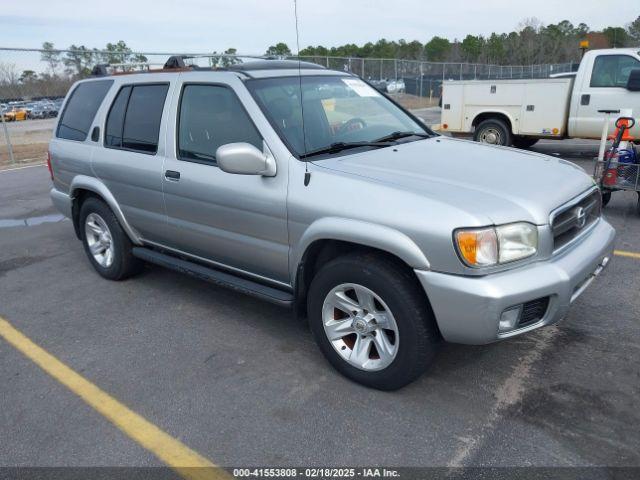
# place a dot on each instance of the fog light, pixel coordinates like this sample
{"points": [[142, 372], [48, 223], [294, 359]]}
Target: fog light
{"points": [[509, 318]]}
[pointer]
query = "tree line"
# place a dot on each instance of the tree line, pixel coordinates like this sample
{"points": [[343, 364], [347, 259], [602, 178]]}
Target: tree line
{"points": [[531, 43]]}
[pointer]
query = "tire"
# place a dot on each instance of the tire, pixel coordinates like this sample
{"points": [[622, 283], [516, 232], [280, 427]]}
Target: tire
{"points": [[524, 142], [397, 302], [494, 132], [638, 204], [116, 261], [606, 198]]}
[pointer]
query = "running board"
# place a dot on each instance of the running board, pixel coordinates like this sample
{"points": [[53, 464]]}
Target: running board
{"points": [[218, 277]]}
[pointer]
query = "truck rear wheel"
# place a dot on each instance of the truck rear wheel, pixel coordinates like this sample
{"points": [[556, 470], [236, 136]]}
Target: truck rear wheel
{"points": [[372, 321], [494, 132]]}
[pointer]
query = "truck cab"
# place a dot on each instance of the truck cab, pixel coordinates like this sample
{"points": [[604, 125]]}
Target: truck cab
{"points": [[601, 84]]}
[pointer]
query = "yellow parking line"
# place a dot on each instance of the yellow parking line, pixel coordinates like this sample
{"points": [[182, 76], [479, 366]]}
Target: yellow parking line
{"points": [[622, 253], [186, 462]]}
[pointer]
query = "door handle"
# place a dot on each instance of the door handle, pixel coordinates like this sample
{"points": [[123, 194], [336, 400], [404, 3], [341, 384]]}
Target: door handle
{"points": [[172, 175], [584, 100]]}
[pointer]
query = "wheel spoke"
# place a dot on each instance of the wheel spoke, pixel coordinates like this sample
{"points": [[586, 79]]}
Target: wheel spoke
{"points": [[338, 329], [361, 350], [340, 301], [365, 298], [383, 320], [108, 257], [95, 229], [96, 248], [383, 345]]}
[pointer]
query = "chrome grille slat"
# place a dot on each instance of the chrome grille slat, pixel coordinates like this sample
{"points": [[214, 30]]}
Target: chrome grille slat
{"points": [[570, 221]]}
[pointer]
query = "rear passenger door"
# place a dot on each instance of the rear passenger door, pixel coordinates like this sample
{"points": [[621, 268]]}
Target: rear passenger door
{"points": [[130, 162], [235, 221]]}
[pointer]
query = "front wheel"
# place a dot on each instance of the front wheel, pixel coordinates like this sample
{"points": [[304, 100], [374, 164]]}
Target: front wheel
{"points": [[493, 131], [372, 321]]}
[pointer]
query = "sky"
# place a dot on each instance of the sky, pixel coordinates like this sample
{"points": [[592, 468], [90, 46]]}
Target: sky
{"points": [[252, 25]]}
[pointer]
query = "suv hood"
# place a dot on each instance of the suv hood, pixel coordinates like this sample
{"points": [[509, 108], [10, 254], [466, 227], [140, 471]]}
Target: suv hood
{"points": [[499, 184]]}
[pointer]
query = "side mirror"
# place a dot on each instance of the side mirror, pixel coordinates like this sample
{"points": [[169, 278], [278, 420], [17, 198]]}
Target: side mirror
{"points": [[245, 159], [633, 82]]}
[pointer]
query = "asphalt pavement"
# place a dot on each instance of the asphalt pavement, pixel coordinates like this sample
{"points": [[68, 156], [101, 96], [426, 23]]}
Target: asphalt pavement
{"points": [[242, 383]]}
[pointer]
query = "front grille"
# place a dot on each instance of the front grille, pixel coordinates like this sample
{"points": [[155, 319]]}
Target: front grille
{"points": [[569, 221], [533, 311]]}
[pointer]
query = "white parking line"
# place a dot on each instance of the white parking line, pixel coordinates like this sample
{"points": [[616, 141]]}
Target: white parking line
{"points": [[509, 393], [22, 168]]}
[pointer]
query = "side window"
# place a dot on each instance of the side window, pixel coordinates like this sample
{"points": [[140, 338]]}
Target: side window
{"points": [[134, 119], [81, 108], [211, 116], [612, 70], [115, 120]]}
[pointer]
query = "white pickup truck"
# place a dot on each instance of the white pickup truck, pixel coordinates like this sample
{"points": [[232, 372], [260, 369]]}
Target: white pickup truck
{"points": [[520, 112]]}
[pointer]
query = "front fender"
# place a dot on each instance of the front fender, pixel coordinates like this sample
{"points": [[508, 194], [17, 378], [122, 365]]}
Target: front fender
{"points": [[84, 182], [362, 233]]}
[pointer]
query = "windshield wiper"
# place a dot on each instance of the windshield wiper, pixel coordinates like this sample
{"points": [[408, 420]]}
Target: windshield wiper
{"points": [[398, 135], [340, 146]]}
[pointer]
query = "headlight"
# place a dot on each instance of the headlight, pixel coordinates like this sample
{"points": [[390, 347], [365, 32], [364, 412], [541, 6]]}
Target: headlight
{"points": [[484, 247]]}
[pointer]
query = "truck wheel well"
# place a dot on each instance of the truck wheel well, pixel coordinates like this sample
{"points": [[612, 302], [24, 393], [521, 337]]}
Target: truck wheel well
{"points": [[492, 115], [321, 252], [79, 196]]}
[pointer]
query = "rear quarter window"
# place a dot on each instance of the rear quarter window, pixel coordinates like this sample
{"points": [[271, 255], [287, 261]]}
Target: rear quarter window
{"points": [[81, 108]]}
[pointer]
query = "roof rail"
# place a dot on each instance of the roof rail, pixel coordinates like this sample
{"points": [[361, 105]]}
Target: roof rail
{"points": [[177, 63]]}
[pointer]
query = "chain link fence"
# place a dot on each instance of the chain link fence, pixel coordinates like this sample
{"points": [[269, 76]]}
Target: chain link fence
{"points": [[33, 83]]}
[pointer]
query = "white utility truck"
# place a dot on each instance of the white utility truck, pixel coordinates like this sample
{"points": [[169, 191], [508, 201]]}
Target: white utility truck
{"points": [[520, 112]]}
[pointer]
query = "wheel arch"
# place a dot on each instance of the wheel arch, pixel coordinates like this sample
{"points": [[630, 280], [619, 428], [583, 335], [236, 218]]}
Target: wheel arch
{"points": [[84, 186], [494, 114], [329, 238]]}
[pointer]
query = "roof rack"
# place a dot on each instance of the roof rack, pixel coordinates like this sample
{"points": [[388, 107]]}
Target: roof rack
{"points": [[177, 63], [275, 64]]}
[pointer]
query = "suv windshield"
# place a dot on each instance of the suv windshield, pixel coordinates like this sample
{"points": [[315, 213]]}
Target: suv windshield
{"points": [[338, 111]]}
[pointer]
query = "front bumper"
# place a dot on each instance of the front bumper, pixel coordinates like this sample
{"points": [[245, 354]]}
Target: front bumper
{"points": [[468, 309]]}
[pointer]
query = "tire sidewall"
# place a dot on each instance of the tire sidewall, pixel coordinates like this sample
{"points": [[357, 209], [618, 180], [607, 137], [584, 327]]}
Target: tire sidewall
{"points": [[372, 277]]}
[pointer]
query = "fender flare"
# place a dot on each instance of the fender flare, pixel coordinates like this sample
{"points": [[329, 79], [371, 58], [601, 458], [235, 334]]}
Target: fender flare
{"points": [[362, 233], [92, 184]]}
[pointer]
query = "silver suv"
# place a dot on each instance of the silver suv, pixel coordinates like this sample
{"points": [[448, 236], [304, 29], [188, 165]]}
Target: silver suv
{"points": [[309, 188]]}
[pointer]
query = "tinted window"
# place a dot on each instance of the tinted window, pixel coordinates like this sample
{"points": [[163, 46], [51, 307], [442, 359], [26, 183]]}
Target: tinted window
{"points": [[143, 116], [211, 116], [81, 108], [115, 120], [612, 70]]}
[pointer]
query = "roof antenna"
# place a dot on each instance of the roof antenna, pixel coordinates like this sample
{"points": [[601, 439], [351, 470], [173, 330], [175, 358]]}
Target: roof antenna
{"points": [[307, 173]]}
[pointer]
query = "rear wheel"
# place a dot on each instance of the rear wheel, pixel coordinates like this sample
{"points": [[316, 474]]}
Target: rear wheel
{"points": [[106, 244], [372, 321], [494, 132], [606, 197], [524, 142]]}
